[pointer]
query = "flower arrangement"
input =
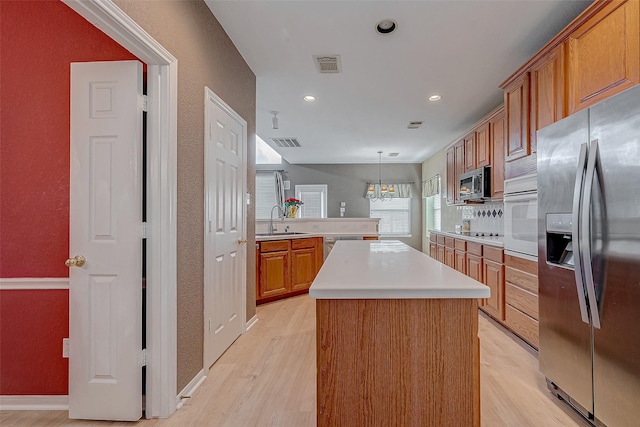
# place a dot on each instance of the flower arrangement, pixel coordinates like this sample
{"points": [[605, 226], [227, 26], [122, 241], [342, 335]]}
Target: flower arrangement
{"points": [[291, 206]]}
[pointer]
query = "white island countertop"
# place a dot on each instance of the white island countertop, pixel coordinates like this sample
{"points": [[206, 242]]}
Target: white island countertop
{"points": [[389, 269]]}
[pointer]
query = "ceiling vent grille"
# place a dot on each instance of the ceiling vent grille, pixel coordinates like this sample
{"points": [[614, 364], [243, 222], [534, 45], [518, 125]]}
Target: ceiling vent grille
{"points": [[286, 142], [327, 64], [414, 125]]}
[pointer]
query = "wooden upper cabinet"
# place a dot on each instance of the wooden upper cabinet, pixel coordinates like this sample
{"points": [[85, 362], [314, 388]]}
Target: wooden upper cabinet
{"points": [[469, 142], [459, 157], [603, 55], [516, 104], [451, 182], [455, 167], [496, 133], [547, 92], [483, 145]]}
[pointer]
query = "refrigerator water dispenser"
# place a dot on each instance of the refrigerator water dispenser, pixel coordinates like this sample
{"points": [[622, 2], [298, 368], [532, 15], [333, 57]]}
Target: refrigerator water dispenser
{"points": [[559, 239]]}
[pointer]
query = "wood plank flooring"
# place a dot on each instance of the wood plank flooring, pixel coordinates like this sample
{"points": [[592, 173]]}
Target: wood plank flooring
{"points": [[267, 378]]}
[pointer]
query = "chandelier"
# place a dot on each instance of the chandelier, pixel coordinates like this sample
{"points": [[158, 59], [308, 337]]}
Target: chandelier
{"points": [[382, 192]]}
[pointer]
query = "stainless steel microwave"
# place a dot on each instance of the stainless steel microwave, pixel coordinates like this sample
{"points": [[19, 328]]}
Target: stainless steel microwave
{"points": [[475, 185]]}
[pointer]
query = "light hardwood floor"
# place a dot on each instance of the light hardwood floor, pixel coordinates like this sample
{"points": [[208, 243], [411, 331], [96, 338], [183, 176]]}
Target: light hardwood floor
{"points": [[267, 378]]}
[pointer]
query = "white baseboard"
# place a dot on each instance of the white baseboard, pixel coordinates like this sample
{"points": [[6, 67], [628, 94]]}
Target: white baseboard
{"points": [[251, 322], [33, 283], [34, 403], [190, 388]]}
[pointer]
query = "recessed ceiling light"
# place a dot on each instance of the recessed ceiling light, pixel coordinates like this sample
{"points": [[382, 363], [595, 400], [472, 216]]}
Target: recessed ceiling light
{"points": [[435, 98], [310, 98], [386, 26]]}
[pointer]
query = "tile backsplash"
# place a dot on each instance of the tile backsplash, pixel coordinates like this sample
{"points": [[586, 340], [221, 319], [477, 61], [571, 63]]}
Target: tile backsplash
{"points": [[485, 218]]}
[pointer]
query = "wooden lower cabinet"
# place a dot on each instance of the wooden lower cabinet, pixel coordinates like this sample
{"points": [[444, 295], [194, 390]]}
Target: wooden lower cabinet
{"points": [[494, 279], [474, 261], [440, 248], [303, 268], [397, 362], [433, 250], [521, 298], [461, 261], [513, 282], [286, 267]]}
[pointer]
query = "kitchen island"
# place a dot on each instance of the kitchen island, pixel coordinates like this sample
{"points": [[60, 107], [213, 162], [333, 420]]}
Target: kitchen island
{"points": [[397, 338]]}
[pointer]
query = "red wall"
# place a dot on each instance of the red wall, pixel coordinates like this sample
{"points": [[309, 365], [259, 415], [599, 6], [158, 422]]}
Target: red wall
{"points": [[38, 41]]}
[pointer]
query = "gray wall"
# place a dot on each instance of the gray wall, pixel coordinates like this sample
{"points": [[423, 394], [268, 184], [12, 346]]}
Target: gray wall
{"points": [[206, 57], [451, 215], [346, 183]]}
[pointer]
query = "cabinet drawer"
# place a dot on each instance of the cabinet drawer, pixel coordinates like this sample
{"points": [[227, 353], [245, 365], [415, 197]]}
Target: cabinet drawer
{"points": [[520, 278], [493, 254], [523, 325], [433, 237], [303, 243], [460, 245], [524, 301], [449, 242], [474, 248], [518, 263], [274, 246], [440, 239]]}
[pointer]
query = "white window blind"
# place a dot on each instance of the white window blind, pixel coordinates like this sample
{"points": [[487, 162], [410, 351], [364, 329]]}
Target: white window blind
{"points": [[314, 199], [394, 214], [437, 211], [265, 194]]}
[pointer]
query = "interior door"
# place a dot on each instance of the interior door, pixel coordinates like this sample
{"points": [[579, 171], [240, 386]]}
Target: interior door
{"points": [[105, 302], [225, 244]]}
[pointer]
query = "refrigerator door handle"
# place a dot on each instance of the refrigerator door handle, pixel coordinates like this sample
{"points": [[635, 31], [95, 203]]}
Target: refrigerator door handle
{"points": [[585, 234], [575, 229]]}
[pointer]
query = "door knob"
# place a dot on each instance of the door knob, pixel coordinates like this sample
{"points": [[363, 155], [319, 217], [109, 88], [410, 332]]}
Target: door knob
{"points": [[76, 261], [241, 241]]}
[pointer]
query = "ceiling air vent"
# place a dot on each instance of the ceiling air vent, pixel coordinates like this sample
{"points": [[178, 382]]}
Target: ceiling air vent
{"points": [[393, 154], [327, 64], [414, 125], [286, 142]]}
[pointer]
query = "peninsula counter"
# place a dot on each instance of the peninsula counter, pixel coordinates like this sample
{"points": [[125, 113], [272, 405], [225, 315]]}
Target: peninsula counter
{"points": [[397, 338]]}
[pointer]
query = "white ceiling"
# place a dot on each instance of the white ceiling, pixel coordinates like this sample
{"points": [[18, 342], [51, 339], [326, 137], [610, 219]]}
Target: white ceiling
{"points": [[461, 50]]}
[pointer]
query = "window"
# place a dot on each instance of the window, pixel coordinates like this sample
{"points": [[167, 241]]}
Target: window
{"points": [[265, 194], [314, 199], [433, 210], [265, 155], [394, 214]]}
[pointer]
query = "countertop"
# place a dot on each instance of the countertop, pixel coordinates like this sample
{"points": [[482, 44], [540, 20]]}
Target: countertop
{"points": [[284, 236], [389, 269], [485, 240]]}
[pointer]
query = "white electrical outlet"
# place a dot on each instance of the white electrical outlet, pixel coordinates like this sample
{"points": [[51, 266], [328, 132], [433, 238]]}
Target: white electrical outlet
{"points": [[65, 348]]}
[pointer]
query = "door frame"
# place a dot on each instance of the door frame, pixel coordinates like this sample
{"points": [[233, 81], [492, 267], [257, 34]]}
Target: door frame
{"points": [[219, 102], [162, 84]]}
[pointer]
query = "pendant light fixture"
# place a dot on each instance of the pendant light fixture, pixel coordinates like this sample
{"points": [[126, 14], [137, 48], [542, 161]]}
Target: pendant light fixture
{"points": [[385, 192]]}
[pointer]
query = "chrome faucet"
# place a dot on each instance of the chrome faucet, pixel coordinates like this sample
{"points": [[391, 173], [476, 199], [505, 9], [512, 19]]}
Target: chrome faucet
{"points": [[280, 210]]}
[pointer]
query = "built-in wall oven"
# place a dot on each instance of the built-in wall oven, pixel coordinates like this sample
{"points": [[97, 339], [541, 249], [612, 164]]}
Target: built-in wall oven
{"points": [[521, 216]]}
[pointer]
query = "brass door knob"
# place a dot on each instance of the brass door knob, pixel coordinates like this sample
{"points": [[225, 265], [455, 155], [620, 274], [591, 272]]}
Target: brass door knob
{"points": [[76, 261], [241, 241]]}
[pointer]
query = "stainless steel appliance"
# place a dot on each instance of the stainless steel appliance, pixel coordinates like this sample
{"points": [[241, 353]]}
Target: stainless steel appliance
{"points": [[475, 185], [589, 259], [521, 217]]}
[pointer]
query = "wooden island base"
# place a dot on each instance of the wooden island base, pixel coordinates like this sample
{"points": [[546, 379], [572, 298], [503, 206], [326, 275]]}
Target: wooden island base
{"points": [[398, 362]]}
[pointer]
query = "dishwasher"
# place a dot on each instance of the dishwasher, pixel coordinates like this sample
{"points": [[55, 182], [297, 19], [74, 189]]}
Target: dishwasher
{"points": [[329, 241]]}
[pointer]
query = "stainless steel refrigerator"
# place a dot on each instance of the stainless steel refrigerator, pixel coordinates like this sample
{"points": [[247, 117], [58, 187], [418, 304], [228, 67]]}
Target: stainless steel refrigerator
{"points": [[589, 259]]}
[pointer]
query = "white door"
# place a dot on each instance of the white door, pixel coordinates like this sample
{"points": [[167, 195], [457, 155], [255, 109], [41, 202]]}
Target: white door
{"points": [[105, 301], [225, 244]]}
